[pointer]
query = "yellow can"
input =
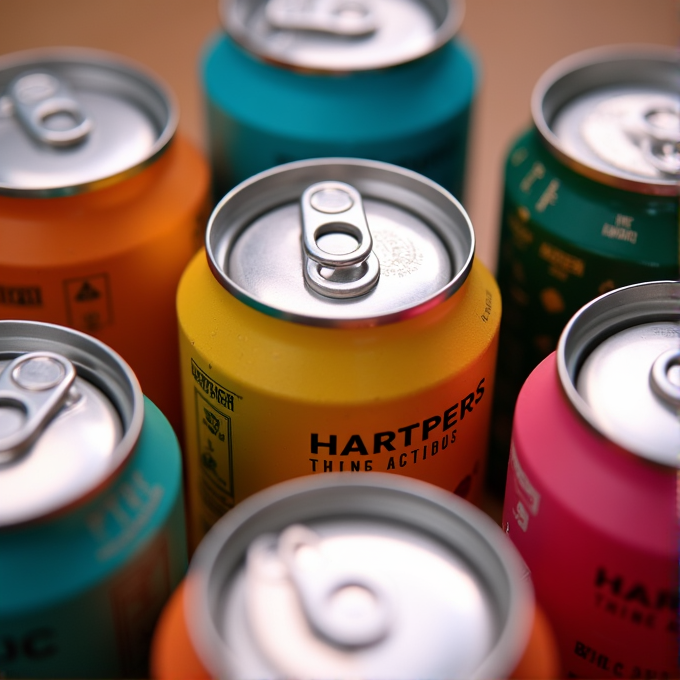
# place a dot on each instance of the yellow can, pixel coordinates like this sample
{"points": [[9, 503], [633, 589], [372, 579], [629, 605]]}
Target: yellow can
{"points": [[339, 324]]}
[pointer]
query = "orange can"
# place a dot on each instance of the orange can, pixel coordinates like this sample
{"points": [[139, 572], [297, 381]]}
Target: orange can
{"points": [[173, 657], [102, 204], [252, 608]]}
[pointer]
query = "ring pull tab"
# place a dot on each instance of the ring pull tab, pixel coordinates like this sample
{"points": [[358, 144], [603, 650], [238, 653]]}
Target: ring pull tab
{"points": [[665, 377], [352, 18], [661, 143], [338, 257], [348, 608], [48, 110], [33, 388]]}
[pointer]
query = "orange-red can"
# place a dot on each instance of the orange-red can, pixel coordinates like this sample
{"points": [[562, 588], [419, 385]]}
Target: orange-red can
{"points": [[250, 607], [173, 657], [101, 206]]}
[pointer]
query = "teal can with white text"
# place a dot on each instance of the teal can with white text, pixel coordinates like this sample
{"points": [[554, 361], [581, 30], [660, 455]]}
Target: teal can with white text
{"points": [[591, 204], [92, 532]]}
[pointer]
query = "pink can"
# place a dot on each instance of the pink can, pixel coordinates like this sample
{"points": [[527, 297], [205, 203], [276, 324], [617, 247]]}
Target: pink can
{"points": [[592, 484]]}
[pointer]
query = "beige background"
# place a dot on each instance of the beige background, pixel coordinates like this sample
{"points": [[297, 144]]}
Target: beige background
{"points": [[516, 41]]}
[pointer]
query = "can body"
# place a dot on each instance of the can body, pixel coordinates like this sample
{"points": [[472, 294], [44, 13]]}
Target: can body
{"points": [[80, 592], [565, 239], [107, 262], [597, 527], [261, 114], [338, 510], [267, 400]]}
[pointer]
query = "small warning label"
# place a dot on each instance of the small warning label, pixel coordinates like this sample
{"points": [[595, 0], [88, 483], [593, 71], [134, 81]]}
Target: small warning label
{"points": [[215, 460], [87, 292], [88, 302]]}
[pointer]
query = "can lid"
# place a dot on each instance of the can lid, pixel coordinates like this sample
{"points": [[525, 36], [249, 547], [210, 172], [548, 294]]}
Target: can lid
{"points": [[373, 576], [70, 414], [619, 363], [340, 242], [72, 120], [613, 114], [341, 35]]}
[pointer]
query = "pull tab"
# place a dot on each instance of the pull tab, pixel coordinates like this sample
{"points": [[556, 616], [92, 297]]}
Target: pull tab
{"points": [[349, 609], [338, 257], [665, 377], [33, 388], [661, 144], [48, 110], [337, 17]]}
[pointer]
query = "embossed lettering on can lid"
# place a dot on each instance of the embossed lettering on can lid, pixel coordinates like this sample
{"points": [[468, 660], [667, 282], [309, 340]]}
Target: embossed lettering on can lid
{"points": [[613, 114], [341, 35], [340, 242], [71, 412], [363, 576], [72, 120], [619, 363]]}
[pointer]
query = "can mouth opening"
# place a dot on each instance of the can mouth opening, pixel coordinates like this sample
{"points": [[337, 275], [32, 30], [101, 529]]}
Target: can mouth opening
{"points": [[409, 504], [649, 68], [61, 120], [341, 25], [603, 318], [96, 364], [406, 191]]}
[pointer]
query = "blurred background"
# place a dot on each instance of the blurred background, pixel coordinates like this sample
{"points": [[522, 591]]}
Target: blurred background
{"points": [[515, 41]]}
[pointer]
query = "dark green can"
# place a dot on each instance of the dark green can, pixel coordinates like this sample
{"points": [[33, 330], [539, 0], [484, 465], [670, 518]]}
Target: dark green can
{"points": [[591, 203]]}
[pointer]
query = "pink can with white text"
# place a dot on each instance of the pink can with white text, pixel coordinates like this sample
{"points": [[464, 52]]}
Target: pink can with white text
{"points": [[592, 488]]}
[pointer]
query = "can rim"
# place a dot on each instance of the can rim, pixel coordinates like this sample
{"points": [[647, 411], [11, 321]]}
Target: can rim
{"points": [[601, 318], [216, 247], [409, 502], [98, 364], [239, 32], [131, 69], [545, 102]]}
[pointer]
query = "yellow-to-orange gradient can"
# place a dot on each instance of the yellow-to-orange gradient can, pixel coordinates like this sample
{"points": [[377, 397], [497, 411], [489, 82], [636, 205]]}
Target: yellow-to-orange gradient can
{"points": [[339, 324], [100, 206]]}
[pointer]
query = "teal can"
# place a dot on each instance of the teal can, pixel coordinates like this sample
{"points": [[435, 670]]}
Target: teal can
{"points": [[591, 204], [382, 80], [92, 530]]}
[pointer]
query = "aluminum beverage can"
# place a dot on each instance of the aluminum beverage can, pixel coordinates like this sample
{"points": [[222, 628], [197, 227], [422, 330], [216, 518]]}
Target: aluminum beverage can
{"points": [[340, 324], [92, 533], [354, 576], [590, 204], [173, 656], [382, 80], [591, 499], [102, 204]]}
